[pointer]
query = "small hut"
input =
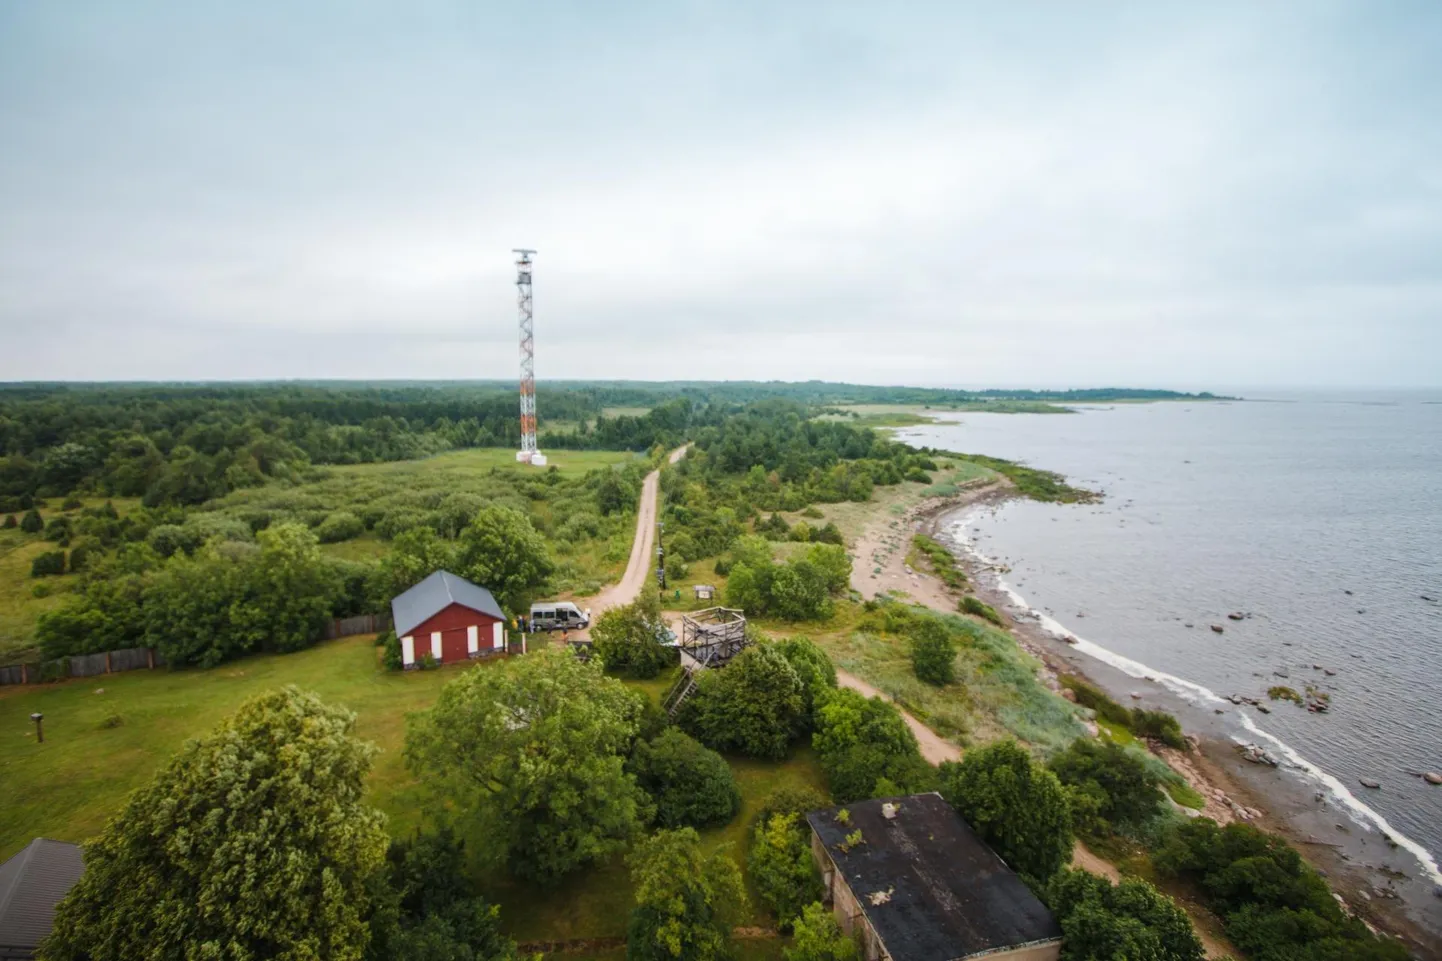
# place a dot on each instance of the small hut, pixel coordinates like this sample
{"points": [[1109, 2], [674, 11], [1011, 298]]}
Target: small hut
{"points": [[704, 592]]}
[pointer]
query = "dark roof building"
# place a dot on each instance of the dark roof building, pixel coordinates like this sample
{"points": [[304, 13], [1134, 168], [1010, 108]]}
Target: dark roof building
{"points": [[31, 885], [917, 884], [436, 593]]}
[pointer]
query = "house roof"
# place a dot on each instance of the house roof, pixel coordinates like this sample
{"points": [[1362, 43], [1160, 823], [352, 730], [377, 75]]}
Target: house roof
{"points": [[930, 888], [436, 593], [31, 884]]}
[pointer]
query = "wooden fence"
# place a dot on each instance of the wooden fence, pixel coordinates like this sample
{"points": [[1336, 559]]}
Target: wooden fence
{"points": [[139, 658], [82, 665]]}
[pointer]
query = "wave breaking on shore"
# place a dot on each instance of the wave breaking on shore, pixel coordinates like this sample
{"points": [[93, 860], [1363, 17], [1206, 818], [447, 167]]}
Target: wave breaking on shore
{"points": [[1192, 692]]}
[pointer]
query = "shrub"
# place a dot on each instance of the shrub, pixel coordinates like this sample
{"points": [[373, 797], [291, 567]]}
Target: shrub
{"points": [[690, 784], [71, 503], [1159, 725], [10, 522], [818, 937], [58, 529], [917, 475], [339, 526], [686, 904], [1016, 806], [1128, 790], [830, 534], [755, 706], [110, 721], [790, 800], [815, 669], [1273, 905], [48, 564], [933, 653], [1101, 921], [773, 528], [975, 606], [781, 867], [391, 655], [628, 638], [863, 742], [800, 532], [1093, 697], [167, 540], [80, 556]]}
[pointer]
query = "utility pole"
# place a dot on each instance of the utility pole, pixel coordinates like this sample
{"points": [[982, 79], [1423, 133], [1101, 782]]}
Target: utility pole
{"points": [[528, 454]]}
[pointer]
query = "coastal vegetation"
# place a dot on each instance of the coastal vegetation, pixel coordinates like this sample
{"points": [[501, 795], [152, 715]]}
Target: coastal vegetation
{"points": [[933, 557]]}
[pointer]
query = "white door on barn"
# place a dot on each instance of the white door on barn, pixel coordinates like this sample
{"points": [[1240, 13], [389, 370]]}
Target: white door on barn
{"points": [[473, 640]]}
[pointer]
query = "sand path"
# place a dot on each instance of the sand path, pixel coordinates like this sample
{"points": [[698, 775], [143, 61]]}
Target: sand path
{"points": [[628, 588]]}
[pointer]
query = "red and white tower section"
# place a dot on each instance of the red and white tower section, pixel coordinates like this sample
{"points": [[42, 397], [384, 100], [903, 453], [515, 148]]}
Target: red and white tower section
{"points": [[528, 453]]}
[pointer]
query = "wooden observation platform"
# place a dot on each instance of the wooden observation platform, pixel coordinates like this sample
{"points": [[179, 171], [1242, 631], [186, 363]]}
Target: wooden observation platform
{"points": [[709, 638]]}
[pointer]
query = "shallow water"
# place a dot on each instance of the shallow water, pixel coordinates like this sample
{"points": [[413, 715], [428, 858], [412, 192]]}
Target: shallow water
{"points": [[1275, 510]]}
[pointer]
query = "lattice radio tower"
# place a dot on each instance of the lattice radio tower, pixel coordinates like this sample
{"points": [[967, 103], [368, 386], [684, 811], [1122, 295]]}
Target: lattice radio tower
{"points": [[528, 453]]}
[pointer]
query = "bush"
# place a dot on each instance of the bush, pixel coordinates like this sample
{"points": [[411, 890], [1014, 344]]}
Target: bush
{"points": [[790, 800], [690, 784], [80, 556], [339, 526], [1128, 790], [628, 638], [917, 475], [10, 522], [1101, 921], [801, 532], [1159, 725], [830, 534], [32, 522], [71, 503], [811, 664], [818, 937], [755, 706], [392, 657], [1016, 806], [111, 721], [48, 564], [686, 904], [975, 606], [866, 749], [781, 867], [933, 653], [1273, 905]]}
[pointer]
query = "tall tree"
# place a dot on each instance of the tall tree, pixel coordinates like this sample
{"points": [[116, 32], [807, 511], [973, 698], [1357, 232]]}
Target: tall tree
{"points": [[534, 750], [1101, 921], [686, 903], [502, 551], [252, 843], [1014, 804]]}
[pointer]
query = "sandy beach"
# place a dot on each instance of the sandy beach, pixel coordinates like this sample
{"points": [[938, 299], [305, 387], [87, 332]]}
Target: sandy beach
{"points": [[1376, 880]]}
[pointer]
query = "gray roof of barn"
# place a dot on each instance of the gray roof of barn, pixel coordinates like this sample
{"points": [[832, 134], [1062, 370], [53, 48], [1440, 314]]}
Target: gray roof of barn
{"points": [[436, 593], [31, 884], [945, 894]]}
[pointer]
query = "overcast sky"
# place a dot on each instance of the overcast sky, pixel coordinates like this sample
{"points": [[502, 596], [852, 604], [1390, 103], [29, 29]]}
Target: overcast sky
{"points": [[1162, 194]]}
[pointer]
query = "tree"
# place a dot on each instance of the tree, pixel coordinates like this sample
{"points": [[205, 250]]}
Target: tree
{"points": [[690, 784], [32, 522], [414, 555], [502, 551], [10, 522], [1016, 806], [818, 937], [781, 867], [865, 747], [799, 592], [1101, 921], [628, 638], [817, 673], [252, 843], [755, 706], [432, 912], [1130, 792], [933, 653], [686, 904], [534, 749], [834, 564], [47, 564]]}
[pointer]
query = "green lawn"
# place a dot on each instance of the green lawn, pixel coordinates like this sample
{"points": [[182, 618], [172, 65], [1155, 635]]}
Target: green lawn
{"points": [[69, 786], [461, 464]]}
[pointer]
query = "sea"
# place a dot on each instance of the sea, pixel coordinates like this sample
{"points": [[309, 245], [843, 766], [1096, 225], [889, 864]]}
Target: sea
{"points": [[1316, 517]]}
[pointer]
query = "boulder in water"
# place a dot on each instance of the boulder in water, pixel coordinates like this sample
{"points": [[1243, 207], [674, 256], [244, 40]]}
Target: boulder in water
{"points": [[1235, 616], [1368, 782], [1217, 628], [1432, 777]]}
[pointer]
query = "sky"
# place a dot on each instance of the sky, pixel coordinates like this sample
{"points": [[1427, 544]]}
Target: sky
{"points": [[1161, 194]]}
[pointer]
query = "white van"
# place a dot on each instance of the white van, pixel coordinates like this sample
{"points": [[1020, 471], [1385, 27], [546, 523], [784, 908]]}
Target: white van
{"points": [[559, 616]]}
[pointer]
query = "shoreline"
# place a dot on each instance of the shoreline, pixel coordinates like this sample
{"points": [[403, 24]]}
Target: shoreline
{"points": [[1382, 884]]}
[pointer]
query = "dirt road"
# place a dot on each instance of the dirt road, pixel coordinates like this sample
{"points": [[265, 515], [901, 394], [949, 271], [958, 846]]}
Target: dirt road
{"points": [[629, 587]]}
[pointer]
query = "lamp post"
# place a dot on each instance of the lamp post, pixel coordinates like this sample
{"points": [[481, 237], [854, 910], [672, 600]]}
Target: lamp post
{"points": [[37, 717]]}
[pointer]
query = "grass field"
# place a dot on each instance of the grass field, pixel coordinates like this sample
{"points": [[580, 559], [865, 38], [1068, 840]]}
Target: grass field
{"points": [[19, 607]]}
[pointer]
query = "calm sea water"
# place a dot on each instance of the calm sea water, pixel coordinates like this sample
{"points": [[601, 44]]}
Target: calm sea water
{"points": [[1320, 517]]}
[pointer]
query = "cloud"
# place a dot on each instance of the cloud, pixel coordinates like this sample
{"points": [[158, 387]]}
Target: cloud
{"points": [[945, 194]]}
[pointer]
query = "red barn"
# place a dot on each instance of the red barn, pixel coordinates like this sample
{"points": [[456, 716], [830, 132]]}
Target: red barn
{"points": [[448, 618]]}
